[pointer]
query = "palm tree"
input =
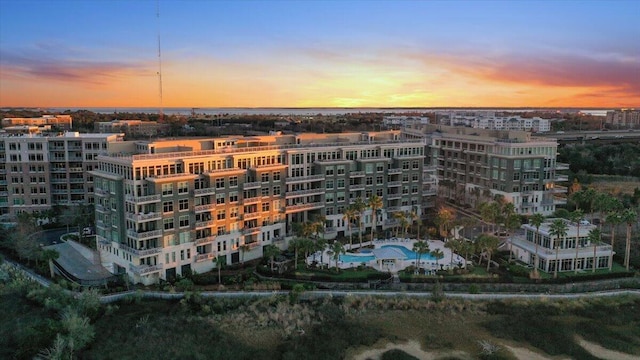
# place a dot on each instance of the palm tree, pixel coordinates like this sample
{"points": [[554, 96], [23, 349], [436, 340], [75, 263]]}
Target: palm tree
{"points": [[444, 219], [536, 220], [594, 238], [270, 252], [485, 213], [576, 217], [319, 224], [349, 215], [404, 224], [511, 223], [375, 203], [467, 247], [218, 260], [243, 249], [613, 219], [420, 247], [454, 245], [558, 228], [359, 206], [413, 215], [488, 244], [296, 245], [336, 250], [629, 217], [438, 254], [398, 216]]}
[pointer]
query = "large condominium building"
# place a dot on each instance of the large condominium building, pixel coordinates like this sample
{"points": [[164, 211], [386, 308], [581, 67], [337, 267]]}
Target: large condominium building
{"points": [[63, 122], [179, 204], [132, 127], [474, 165], [38, 171], [493, 122], [524, 248], [625, 118]]}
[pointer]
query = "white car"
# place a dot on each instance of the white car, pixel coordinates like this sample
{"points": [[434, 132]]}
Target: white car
{"points": [[87, 231]]}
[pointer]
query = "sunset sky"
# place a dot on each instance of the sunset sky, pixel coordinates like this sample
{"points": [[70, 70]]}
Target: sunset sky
{"points": [[320, 53]]}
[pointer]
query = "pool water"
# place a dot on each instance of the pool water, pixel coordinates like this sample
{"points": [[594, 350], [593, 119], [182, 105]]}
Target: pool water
{"points": [[410, 255]]}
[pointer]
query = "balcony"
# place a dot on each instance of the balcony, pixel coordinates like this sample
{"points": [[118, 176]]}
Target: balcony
{"points": [[205, 257], [204, 224], [103, 241], [251, 200], [394, 183], [144, 217], [252, 185], [77, 180], [356, 187], [394, 196], [144, 199], [392, 209], [204, 208], [303, 207], [100, 208], [100, 224], [204, 192], [557, 189], [141, 252], [144, 269], [251, 230], [559, 200], [75, 169], [292, 194], [293, 180], [561, 178], [562, 166], [251, 216], [206, 240], [144, 235], [354, 174], [100, 192], [394, 171], [429, 192]]}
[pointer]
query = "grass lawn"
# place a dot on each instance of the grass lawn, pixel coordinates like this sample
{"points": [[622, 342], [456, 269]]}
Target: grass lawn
{"points": [[616, 268], [346, 274]]}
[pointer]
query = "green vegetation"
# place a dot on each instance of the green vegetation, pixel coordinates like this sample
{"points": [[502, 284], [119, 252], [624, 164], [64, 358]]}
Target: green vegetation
{"points": [[611, 159]]}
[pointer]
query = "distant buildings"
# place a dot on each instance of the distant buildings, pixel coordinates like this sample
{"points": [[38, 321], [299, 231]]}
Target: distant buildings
{"points": [[489, 120], [401, 121], [132, 127], [625, 118], [62, 122]]}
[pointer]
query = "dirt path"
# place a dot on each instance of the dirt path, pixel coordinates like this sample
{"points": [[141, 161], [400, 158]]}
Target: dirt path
{"points": [[604, 353], [412, 348]]}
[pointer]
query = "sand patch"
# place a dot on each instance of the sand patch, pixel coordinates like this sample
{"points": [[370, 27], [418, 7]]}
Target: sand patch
{"points": [[604, 353], [526, 354]]}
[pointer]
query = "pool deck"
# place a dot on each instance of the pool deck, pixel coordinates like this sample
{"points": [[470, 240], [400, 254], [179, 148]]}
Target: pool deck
{"points": [[393, 267]]}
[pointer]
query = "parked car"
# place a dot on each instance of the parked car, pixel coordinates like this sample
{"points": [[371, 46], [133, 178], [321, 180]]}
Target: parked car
{"points": [[87, 231]]}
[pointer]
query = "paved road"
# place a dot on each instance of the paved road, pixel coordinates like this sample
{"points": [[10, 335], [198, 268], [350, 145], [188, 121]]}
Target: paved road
{"points": [[49, 237]]}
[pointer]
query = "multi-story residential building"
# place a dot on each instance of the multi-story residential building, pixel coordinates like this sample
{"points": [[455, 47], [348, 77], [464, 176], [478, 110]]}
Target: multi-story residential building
{"points": [[38, 171], [491, 122], [177, 205], [524, 248], [474, 163], [394, 120], [132, 127], [62, 122], [625, 118]]}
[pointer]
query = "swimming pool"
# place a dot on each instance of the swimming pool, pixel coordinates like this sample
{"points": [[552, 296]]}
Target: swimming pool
{"points": [[410, 255]]}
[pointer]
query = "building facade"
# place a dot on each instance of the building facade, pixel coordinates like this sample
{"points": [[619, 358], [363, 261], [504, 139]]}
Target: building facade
{"points": [[474, 165], [38, 171], [62, 122], [492, 122], [181, 204], [133, 127], [524, 248], [624, 119]]}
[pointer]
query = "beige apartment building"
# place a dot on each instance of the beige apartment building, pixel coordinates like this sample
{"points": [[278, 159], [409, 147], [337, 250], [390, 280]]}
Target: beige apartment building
{"points": [[178, 205], [38, 171], [62, 122], [474, 165]]}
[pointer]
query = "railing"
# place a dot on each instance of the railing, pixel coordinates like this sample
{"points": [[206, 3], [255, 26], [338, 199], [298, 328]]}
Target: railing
{"points": [[394, 196], [251, 200], [356, 187], [562, 166], [205, 257], [251, 216], [305, 178], [144, 217], [252, 185], [302, 207], [144, 199], [304, 192], [394, 171], [218, 171], [251, 230], [144, 235], [144, 269], [103, 240], [356, 174], [206, 240], [205, 191], [557, 189], [204, 224], [394, 183], [429, 192], [100, 192], [203, 208], [141, 252], [561, 178], [391, 209]]}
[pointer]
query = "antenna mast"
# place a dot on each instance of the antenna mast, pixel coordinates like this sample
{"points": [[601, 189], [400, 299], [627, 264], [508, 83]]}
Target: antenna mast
{"points": [[159, 61]]}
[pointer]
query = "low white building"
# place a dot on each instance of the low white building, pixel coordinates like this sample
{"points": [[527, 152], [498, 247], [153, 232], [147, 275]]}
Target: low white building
{"points": [[524, 248]]}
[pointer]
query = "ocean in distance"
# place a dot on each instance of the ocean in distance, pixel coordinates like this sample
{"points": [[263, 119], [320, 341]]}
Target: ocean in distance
{"points": [[297, 111]]}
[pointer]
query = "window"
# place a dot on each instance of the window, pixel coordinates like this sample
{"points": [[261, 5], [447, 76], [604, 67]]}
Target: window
{"points": [[340, 196], [369, 180], [219, 183], [233, 181], [379, 180], [264, 177], [167, 189], [329, 184], [167, 206], [340, 183], [265, 191], [276, 176], [265, 206], [168, 223], [184, 221], [221, 215], [340, 169], [233, 196], [233, 212], [220, 199], [329, 171], [414, 177], [183, 204], [380, 167], [329, 197], [276, 190], [183, 187]]}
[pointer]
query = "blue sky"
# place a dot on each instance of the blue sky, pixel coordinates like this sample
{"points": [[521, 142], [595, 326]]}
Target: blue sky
{"points": [[320, 53]]}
